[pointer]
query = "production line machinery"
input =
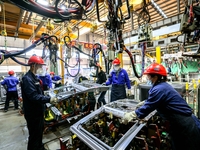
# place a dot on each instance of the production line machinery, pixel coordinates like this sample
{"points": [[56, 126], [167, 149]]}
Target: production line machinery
{"points": [[71, 103], [103, 130]]}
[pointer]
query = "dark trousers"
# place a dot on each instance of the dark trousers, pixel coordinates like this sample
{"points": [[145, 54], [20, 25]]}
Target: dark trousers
{"points": [[11, 95], [102, 98], [184, 133], [35, 127]]}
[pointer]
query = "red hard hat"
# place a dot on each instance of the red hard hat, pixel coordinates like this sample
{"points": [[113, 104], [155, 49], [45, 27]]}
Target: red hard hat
{"points": [[156, 69], [36, 60], [51, 73], [11, 72], [116, 61]]}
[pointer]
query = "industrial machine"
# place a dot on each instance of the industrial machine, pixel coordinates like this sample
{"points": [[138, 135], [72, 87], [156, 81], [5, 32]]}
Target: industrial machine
{"points": [[72, 102], [103, 130]]}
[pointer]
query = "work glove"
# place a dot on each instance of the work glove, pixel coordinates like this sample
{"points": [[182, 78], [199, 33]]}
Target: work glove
{"points": [[104, 84], [128, 116], [58, 82], [129, 92], [53, 100], [140, 104]]}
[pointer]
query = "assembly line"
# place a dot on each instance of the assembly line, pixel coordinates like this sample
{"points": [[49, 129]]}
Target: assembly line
{"points": [[100, 75]]}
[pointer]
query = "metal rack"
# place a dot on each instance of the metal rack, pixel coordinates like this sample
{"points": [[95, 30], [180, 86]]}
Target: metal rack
{"points": [[117, 110]]}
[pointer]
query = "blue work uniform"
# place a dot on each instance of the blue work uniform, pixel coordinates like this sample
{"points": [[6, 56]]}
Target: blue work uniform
{"points": [[34, 107], [118, 79], [56, 78], [11, 91], [46, 81], [173, 108]]}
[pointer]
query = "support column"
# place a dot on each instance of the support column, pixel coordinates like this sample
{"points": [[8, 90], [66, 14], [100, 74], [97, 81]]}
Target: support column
{"points": [[158, 55], [120, 56], [61, 63]]}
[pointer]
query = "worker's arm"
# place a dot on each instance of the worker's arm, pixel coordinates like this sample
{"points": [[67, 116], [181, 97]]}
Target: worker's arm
{"points": [[109, 81], [3, 82], [152, 103], [127, 80], [29, 89]]}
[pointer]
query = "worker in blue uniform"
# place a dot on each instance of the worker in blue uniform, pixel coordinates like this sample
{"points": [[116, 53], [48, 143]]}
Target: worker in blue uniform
{"points": [[11, 90], [46, 80], [56, 79], [34, 103], [118, 78], [184, 126]]}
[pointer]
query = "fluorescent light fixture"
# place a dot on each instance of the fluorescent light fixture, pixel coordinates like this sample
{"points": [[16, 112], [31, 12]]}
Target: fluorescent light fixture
{"points": [[84, 31], [63, 7], [159, 9], [43, 2]]}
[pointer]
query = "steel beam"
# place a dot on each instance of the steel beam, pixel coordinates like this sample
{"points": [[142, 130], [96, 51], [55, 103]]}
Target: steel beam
{"points": [[19, 22], [40, 25]]}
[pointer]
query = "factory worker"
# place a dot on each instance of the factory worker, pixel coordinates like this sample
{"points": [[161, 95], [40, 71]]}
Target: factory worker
{"points": [[118, 78], [184, 126], [101, 78], [56, 79], [46, 80], [34, 103], [11, 90]]}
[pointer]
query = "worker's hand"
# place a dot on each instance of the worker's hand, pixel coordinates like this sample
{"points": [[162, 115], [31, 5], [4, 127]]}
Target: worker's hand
{"points": [[104, 84], [58, 82], [129, 92], [128, 117], [53, 100], [140, 104]]}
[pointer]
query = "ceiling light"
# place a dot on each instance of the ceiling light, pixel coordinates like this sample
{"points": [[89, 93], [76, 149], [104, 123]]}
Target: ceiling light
{"points": [[63, 7], [159, 9]]}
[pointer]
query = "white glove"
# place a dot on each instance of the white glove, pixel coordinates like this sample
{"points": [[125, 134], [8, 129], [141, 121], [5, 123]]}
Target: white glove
{"points": [[128, 117], [129, 92], [57, 82], [53, 100], [103, 84], [140, 104]]}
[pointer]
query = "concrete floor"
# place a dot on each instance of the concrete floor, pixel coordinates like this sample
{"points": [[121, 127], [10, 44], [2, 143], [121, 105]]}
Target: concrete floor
{"points": [[14, 133]]}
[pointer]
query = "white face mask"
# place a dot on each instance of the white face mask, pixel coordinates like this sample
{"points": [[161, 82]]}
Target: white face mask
{"points": [[40, 72], [149, 82], [116, 68]]}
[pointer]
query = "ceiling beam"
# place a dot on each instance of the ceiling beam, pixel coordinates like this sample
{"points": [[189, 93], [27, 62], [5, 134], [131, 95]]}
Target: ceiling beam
{"points": [[40, 25], [19, 22], [178, 6], [25, 16], [29, 18]]}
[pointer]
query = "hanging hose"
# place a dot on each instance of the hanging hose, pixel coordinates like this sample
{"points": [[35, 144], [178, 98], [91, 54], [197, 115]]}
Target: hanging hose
{"points": [[143, 46], [101, 50], [78, 60]]}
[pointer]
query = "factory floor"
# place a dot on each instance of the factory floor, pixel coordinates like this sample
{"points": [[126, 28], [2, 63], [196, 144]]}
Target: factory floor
{"points": [[14, 133]]}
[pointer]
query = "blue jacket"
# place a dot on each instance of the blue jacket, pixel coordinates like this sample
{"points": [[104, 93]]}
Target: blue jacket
{"points": [[46, 80], [120, 77], [33, 96], [166, 100], [11, 83], [56, 78]]}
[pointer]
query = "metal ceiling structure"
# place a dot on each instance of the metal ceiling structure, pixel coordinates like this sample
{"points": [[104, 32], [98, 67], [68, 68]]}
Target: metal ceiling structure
{"points": [[28, 25]]}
